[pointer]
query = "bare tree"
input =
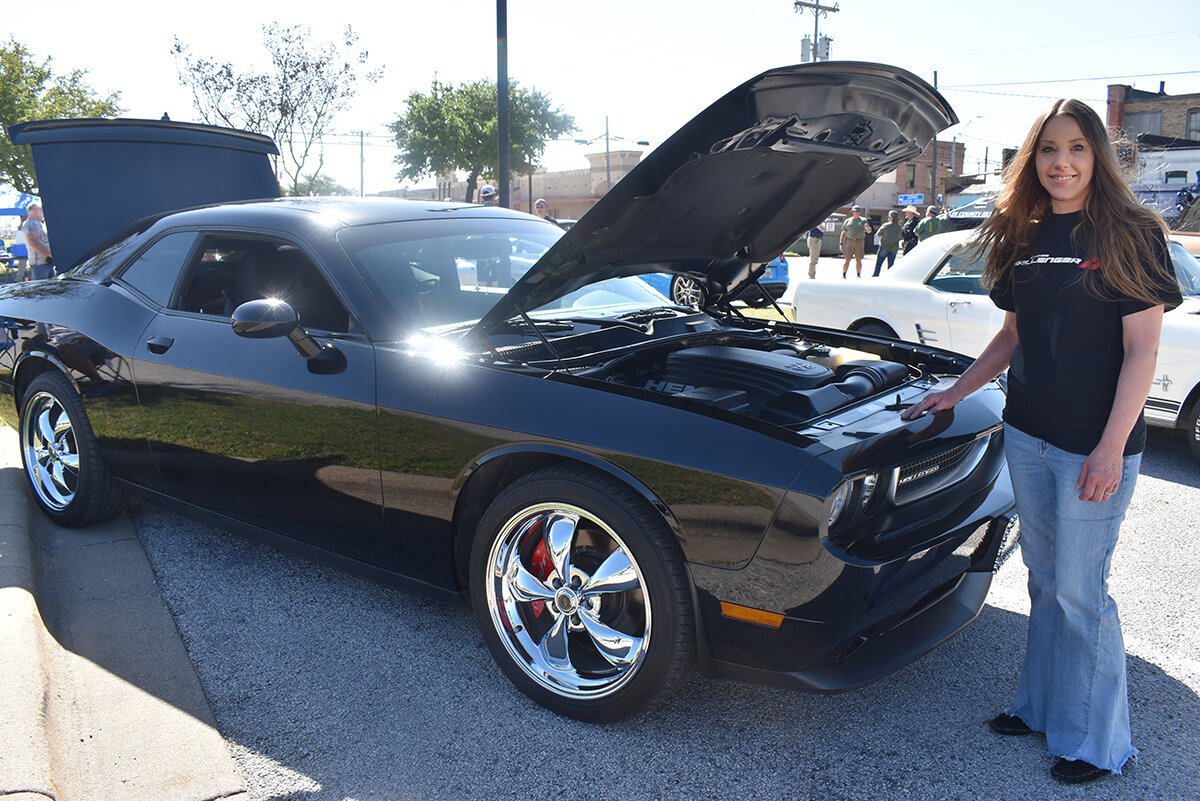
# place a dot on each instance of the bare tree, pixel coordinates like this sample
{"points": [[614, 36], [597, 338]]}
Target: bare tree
{"points": [[294, 103]]}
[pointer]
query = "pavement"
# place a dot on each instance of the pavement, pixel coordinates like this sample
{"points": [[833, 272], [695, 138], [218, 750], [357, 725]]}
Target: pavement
{"points": [[99, 699]]}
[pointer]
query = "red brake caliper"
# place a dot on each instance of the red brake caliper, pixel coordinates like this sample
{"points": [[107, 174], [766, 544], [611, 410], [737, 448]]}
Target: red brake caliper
{"points": [[541, 567]]}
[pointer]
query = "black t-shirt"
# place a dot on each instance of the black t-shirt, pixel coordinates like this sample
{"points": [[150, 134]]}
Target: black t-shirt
{"points": [[1063, 377]]}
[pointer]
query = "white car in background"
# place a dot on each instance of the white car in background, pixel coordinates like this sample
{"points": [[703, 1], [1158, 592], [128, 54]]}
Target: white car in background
{"points": [[934, 296]]}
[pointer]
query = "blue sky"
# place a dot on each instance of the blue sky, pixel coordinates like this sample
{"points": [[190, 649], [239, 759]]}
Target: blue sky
{"points": [[649, 66]]}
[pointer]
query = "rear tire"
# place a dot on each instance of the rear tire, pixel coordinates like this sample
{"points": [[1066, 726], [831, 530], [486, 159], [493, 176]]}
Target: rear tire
{"points": [[877, 330], [581, 594], [61, 457]]}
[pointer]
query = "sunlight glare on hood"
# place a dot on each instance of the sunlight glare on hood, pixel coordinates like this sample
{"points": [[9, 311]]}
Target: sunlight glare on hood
{"points": [[439, 351]]}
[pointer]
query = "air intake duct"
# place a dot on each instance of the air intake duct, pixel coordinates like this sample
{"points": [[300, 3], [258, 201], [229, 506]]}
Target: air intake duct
{"points": [[853, 381]]}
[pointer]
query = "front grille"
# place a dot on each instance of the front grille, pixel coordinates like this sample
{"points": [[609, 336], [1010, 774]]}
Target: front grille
{"points": [[918, 479]]}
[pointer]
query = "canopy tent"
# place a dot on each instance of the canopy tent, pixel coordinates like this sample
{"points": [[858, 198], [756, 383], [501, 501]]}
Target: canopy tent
{"points": [[14, 203]]}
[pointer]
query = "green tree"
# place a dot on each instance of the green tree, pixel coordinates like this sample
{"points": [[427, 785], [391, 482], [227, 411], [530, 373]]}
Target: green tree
{"points": [[29, 90], [456, 128], [321, 185], [295, 102]]}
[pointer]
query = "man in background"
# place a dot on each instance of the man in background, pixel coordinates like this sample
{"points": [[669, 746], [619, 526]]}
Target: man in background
{"points": [[854, 240], [41, 262], [814, 248]]}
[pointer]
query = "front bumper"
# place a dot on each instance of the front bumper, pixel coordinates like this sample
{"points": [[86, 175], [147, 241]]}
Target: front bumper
{"points": [[845, 623]]}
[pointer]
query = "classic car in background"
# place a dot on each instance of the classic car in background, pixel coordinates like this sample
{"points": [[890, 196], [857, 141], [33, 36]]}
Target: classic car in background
{"points": [[621, 487], [933, 295]]}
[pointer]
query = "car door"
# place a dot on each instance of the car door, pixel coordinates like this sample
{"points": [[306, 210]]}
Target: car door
{"points": [[971, 317], [248, 428]]}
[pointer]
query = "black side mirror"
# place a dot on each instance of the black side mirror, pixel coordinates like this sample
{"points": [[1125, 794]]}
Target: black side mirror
{"points": [[269, 317]]}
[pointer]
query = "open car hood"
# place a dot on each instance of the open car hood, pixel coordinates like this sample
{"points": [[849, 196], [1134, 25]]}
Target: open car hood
{"points": [[736, 185], [96, 176]]}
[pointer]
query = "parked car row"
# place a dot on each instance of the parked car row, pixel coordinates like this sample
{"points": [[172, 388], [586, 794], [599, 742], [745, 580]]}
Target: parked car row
{"points": [[934, 296]]}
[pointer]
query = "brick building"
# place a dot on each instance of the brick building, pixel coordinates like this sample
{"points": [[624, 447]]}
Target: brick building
{"points": [[1133, 111]]}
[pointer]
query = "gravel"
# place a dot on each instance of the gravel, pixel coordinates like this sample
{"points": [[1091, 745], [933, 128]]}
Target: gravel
{"points": [[326, 686]]}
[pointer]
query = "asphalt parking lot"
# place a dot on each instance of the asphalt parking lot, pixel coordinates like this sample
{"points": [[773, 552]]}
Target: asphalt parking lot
{"points": [[325, 686]]}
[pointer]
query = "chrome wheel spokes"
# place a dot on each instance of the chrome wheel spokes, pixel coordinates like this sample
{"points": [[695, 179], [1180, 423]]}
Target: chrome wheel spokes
{"points": [[568, 600], [51, 452]]}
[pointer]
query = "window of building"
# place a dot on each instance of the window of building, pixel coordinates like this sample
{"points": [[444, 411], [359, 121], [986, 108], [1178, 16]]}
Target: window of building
{"points": [[1176, 176], [910, 176], [1143, 122], [1193, 124]]}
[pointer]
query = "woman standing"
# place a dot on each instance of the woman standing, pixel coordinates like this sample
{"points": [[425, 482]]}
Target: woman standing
{"points": [[1083, 274]]}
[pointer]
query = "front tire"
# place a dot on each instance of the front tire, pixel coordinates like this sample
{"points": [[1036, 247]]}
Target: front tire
{"points": [[69, 479], [581, 595], [1193, 430]]}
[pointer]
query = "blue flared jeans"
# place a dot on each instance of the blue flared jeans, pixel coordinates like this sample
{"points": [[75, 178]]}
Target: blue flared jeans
{"points": [[1073, 684]]}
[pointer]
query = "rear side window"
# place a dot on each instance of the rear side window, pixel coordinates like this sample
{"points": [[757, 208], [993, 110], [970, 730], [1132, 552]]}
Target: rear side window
{"points": [[155, 272], [227, 271]]}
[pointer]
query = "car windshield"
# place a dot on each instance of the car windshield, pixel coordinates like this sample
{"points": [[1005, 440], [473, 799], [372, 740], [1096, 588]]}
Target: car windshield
{"points": [[443, 273], [1187, 270]]}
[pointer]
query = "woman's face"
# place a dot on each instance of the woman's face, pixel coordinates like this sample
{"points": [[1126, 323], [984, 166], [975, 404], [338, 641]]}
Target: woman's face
{"points": [[1064, 164]]}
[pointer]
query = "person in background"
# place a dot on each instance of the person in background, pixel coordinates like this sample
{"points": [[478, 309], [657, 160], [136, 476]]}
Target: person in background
{"points": [[889, 236], [21, 251], [1083, 274], [487, 195], [930, 225], [853, 239], [539, 208], [908, 236], [814, 248], [41, 261]]}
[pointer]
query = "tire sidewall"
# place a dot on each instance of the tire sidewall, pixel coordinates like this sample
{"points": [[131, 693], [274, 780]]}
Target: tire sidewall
{"points": [[84, 507], [1193, 430], [668, 615]]}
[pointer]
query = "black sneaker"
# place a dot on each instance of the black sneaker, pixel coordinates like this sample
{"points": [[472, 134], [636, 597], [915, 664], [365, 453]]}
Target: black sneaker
{"points": [[1009, 725], [1076, 771]]}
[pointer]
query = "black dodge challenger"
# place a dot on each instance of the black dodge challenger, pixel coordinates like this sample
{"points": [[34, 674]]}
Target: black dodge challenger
{"points": [[476, 404]]}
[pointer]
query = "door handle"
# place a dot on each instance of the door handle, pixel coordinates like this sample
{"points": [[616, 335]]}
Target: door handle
{"points": [[159, 344], [956, 303]]}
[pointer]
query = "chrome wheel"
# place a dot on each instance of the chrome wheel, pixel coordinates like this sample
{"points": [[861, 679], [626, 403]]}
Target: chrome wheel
{"points": [[568, 601], [687, 291], [51, 451]]}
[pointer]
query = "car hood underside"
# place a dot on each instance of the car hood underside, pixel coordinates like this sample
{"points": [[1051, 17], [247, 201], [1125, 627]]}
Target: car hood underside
{"points": [[735, 186]]}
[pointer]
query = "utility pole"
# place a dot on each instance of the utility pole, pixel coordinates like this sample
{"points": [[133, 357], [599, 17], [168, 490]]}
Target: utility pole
{"points": [[933, 157], [819, 48], [502, 98]]}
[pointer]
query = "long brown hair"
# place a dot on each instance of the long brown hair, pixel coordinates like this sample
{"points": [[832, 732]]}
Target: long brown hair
{"points": [[1122, 235]]}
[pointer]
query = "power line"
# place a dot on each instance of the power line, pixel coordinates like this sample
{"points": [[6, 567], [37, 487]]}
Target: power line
{"points": [[1072, 80], [1014, 94]]}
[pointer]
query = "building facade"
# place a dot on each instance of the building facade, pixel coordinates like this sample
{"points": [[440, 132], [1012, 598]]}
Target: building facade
{"points": [[1134, 111]]}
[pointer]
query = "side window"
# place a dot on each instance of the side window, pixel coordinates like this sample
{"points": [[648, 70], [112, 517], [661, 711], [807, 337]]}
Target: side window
{"points": [[155, 271], [960, 272], [228, 271]]}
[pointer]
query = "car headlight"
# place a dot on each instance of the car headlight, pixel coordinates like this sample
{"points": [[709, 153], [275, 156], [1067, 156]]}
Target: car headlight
{"points": [[869, 482], [837, 504]]}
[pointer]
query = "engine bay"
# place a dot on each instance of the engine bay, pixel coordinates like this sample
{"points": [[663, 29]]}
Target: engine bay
{"points": [[774, 374]]}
